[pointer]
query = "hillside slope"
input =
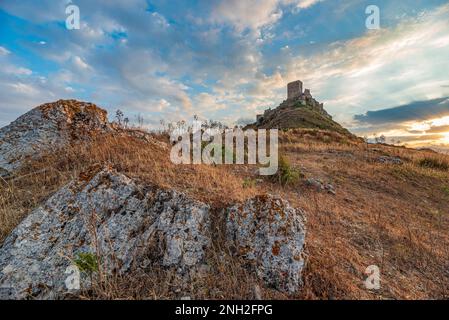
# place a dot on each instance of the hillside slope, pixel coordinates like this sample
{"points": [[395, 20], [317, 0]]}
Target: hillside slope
{"points": [[387, 207]]}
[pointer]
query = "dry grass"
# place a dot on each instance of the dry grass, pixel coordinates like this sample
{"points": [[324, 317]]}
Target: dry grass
{"points": [[393, 216]]}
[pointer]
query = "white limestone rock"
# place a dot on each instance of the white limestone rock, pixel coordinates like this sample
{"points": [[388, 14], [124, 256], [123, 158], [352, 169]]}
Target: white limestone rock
{"points": [[47, 127], [269, 234], [123, 224]]}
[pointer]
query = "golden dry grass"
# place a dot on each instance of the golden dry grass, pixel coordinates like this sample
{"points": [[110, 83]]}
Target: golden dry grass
{"points": [[393, 216]]}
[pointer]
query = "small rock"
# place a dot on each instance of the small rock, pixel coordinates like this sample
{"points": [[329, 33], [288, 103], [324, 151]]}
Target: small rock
{"points": [[330, 189], [315, 183], [319, 186], [390, 160]]}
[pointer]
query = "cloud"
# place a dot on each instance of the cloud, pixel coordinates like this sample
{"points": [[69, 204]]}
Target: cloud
{"points": [[415, 111], [80, 64], [416, 138], [254, 14], [26, 9], [438, 129], [4, 51], [303, 4], [21, 93], [251, 14], [219, 59], [15, 70]]}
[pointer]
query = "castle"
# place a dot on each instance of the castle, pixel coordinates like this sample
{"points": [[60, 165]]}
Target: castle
{"points": [[296, 98]]}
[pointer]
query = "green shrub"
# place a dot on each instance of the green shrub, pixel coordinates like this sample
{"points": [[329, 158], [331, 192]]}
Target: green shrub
{"points": [[286, 174], [86, 262]]}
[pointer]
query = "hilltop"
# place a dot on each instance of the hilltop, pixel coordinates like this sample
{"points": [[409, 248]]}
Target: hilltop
{"points": [[300, 110]]}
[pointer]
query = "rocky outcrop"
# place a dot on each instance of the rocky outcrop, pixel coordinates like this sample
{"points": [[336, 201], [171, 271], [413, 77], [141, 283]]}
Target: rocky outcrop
{"points": [[107, 216], [47, 127], [269, 234], [115, 225], [123, 226], [292, 114]]}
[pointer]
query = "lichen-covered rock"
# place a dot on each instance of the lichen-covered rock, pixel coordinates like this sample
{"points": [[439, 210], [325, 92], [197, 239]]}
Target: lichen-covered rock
{"points": [[46, 127], [107, 215], [268, 233]]}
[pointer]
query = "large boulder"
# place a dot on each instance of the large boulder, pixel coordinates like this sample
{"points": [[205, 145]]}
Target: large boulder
{"points": [[269, 234], [106, 220], [107, 216], [49, 126]]}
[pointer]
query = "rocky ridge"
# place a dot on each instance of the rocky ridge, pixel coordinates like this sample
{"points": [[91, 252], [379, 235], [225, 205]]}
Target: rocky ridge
{"points": [[292, 114]]}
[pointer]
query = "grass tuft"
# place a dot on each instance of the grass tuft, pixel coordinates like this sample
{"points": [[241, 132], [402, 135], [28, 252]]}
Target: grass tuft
{"points": [[286, 174], [434, 163]]}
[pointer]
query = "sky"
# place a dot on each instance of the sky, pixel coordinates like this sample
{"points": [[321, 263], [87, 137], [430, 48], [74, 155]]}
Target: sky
{"points": [[229, 60]]}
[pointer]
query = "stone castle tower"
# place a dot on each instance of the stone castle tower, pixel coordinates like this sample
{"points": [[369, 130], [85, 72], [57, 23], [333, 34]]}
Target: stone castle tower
{"points": [[294, 89], [295, 94]]}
